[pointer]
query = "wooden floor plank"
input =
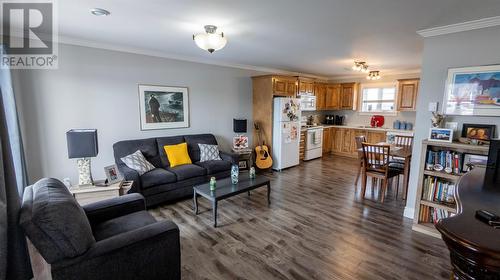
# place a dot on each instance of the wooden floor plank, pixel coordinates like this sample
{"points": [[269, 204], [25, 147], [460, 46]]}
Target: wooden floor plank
{"points": [[317, 227]]}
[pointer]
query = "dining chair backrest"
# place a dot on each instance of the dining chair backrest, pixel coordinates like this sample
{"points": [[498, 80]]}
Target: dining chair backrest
{"points": [[359, 145], [403, 140], [376, 157]]}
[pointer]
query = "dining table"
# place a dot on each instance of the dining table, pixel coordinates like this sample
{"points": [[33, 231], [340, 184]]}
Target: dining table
{"points": [[403, 152]]}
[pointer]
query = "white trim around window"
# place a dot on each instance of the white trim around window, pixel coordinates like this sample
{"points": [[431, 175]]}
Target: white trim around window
{"points": [[387, 94]]}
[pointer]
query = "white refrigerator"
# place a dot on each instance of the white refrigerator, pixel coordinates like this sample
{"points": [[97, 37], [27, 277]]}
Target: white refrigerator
{"points": [[286, 132]]}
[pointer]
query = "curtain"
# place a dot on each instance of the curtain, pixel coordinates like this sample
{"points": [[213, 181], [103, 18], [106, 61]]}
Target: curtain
{"points": [[14, 259]]}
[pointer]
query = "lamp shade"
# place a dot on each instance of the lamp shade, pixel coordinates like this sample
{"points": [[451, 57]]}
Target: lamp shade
{"points": [[240, 126], [82, 143]]}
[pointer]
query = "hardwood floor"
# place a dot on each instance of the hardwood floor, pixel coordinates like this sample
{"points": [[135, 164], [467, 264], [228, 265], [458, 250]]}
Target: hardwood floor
{"points": [[316, 227]]}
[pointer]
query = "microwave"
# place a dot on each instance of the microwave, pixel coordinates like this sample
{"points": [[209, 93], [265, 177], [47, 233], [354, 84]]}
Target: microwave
{"points": [[308, 103]]}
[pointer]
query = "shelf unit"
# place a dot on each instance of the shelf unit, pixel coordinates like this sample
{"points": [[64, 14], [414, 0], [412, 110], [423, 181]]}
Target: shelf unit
{"points": [[428, 228]]}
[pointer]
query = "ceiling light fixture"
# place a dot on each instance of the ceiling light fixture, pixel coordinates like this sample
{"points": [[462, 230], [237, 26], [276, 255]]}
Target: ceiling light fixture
{"points": [[374, 75], [360, 66], [210, 41], [99, 12]]}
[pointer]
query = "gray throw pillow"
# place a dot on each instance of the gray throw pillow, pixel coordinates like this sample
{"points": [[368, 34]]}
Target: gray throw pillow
{"points": [[209, 152], [138, 162]]}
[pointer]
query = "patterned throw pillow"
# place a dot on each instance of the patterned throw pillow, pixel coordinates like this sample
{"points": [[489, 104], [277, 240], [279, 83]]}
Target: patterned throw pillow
{"points": [[209, 152], [138, 162]]}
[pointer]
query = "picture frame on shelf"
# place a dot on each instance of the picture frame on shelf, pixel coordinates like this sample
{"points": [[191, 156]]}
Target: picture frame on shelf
{"points": [[441, 134], [240, 142], [473, 91], [163, 107], [472, 160], [483, 132], [112, 174]]}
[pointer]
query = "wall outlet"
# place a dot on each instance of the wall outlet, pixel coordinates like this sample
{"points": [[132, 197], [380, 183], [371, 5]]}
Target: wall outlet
{"points": [[433, 106]]}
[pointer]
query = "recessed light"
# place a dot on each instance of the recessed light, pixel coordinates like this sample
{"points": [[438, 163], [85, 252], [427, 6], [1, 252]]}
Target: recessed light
{"points": [[100, 12]]}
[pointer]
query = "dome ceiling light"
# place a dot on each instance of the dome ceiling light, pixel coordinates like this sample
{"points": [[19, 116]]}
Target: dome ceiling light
{"points": [[210, 41], [360, 66], [374, 75]]}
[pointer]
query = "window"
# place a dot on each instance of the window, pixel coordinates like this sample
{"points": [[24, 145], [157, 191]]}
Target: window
{"points": [[378, 98]]}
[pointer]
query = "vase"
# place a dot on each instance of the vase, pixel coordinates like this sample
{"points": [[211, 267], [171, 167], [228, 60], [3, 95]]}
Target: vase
{"points": [[212, 184], [234, 173], [251, 173]]}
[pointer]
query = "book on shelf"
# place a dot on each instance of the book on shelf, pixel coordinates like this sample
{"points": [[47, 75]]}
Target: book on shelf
{"points": [[447, 161], [438, 190], [432, 215]]}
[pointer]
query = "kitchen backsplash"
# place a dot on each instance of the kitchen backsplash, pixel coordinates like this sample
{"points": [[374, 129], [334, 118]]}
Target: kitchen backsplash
{"points": [[354, 118]]}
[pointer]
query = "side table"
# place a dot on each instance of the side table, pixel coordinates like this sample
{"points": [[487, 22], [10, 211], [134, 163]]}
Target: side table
{"points": [[89, 194], [245, 158]]}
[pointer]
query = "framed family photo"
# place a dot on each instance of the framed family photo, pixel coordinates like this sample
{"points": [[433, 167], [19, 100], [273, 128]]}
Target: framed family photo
{"points": [[483, 132], [163, 107], [473, 91], [112, 174]]}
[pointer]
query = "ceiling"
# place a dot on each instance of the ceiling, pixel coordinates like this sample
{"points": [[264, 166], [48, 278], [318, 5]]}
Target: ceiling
{"points": [[320, 37]]}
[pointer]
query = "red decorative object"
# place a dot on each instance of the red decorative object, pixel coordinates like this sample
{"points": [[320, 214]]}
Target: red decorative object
{"points": [[377, 121]]}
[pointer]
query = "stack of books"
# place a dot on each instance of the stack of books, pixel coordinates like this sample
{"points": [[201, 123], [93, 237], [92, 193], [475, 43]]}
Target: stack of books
{"points": [[447, 161], [438, 190], [432, 215]]}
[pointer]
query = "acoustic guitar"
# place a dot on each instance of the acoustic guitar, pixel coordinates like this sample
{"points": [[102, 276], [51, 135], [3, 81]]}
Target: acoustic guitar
{"points": [[263, 159]]}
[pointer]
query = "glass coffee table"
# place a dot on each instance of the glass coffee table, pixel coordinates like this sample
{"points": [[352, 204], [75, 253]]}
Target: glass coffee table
{"points": [[226, 189]]}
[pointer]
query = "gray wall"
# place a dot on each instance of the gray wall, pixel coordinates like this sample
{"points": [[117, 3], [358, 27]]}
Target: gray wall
{"points": [[95, 88], [471, 48]]}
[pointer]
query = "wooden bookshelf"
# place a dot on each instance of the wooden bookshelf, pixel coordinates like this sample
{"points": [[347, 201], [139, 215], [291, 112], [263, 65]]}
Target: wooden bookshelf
{"points": [[426, 227]]}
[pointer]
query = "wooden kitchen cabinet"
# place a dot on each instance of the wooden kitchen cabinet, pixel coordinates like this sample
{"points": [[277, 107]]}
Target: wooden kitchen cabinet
{"points": [[376, 136], [284, 86], [327, 140], [407, 94], [306, 86], [346, 140], [302, 144], [319, 91], [348, 96], [336, 135], [332, 96]]}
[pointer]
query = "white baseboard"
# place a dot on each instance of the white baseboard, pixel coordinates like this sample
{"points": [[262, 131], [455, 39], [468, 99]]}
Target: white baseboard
{"points": [[409, 212]]}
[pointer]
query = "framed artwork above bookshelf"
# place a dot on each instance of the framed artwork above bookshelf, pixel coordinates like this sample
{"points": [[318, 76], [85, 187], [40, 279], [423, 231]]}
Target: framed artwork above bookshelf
{"points": [[441, 166]]}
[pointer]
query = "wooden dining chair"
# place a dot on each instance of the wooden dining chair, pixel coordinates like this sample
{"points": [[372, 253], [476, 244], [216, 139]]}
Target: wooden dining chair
{"points": [[359, 147], [403, 140], [376, 165], [397, 163]]}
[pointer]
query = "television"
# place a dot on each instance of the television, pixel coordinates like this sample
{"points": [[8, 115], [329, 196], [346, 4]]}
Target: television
{"points": [[493, 169]]}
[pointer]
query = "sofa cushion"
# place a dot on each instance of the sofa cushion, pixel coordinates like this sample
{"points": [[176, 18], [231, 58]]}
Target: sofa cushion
{"points": [[138, 162], [177, 154], [187, 171], [54, 222], [215, 166], [148, 147], [162, 142], [209, 152], [122, 224], [194, 140], [157, 176]]}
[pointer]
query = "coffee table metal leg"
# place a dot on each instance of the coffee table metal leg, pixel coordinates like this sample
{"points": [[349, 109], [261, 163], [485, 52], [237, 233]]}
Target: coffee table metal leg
{"points": [[214, 210], [195, 202], [268, 193], [248, 193]]}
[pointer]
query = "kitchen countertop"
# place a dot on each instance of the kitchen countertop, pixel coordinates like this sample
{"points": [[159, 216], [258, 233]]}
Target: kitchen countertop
{"points": [[362, 127]]}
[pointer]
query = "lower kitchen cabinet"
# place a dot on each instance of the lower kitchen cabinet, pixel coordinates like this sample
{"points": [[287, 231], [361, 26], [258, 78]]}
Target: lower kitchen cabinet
{"points": [[302, 144], [376, 137], [327, 140], [343, 140]]}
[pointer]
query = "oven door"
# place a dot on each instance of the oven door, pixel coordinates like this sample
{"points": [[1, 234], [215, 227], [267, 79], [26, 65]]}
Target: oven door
{"points": [[308, 103]]}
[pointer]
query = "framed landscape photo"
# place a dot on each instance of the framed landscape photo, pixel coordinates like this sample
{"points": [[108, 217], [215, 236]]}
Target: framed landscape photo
{"points": [[441, 134], [163, 107], [473, 91], [483, 132]]}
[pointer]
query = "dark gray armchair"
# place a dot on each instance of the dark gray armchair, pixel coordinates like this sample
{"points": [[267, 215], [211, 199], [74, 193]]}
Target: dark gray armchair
{"points": [[110, 239]]}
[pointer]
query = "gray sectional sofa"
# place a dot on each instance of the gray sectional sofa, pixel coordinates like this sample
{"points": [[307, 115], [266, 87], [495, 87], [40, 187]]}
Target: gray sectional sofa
{"points": [[164, 183]]}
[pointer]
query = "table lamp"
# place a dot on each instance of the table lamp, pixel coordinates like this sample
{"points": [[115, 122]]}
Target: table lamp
{"points": [[82, 144]]}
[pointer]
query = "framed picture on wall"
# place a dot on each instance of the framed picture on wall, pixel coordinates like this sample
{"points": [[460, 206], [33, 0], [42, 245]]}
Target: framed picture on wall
{"points": [[163, 107], [473, 91]]}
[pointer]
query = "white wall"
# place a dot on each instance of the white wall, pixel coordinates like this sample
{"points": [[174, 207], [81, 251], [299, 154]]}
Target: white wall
{"points": [[95, 88], [471, 48]]}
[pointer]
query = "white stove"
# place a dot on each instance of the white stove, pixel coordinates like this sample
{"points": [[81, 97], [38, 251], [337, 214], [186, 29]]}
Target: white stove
{"points": [[314, 143]]}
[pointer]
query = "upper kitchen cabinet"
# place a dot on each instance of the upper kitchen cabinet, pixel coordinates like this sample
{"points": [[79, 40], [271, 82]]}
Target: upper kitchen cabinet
{"points": [[348, 96], [306, 86], [332, 98], [284, 86], [407, 94], [320, 92]]}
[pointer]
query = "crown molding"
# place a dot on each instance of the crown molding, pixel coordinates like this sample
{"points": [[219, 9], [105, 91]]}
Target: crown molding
{"points": [[114, 47], [383, 74], [460, 27]]}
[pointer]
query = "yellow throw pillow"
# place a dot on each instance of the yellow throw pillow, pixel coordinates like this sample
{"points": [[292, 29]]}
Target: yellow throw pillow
{"points": [[177, 154]]}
